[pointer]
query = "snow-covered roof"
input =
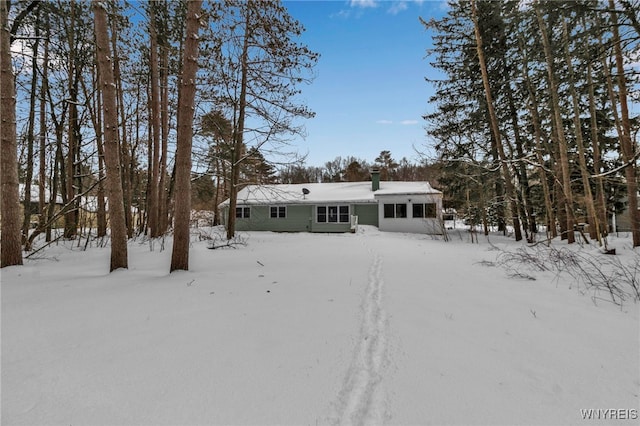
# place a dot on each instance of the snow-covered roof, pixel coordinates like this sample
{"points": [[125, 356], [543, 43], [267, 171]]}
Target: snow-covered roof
{"points": [[35, 196], [334, 192]]}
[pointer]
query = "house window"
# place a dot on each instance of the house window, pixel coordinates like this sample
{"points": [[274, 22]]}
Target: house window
{"points": [[243, 212], [427, 210], [321, 214], [395, 211], [418, 210], [389, 211], [401, 210], [332, 214], [430, 210], [278, 212], [344, 214]]}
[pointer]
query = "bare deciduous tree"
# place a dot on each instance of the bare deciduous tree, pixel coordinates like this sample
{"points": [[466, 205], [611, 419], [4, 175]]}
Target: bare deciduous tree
{"points": [[259, 65]]}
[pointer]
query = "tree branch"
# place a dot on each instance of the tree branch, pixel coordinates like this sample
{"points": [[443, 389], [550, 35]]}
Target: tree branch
{"points": [[20, 17]]}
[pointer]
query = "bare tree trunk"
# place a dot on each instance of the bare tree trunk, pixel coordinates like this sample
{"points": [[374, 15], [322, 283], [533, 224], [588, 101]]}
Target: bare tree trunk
{"points": [[124, 145], [101, 214], [73, 152], [216, 195], [70, 225], [233, 192], [560, 202], [600, 203], [42, 148], [564, 157], [11, 253], [163, 202], [511, 193], [223, 181], [238, 134], [53, 192], [626, 145], [28, 179], [181, 234], [520, 169], [111, 148], [154, 141], [58, 179], [135, 176], [95, 111], [537, 134], [584, 173], [535, 118]]}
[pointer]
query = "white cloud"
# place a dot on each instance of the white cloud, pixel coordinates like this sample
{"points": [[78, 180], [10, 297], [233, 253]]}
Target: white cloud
{"points": [[363, 3], [397, 7], [342, 14], [403, 122], [356, 8]]}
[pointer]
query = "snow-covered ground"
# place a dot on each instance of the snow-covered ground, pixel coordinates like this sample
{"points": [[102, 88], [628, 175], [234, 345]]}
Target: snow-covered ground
{"points": [[306, 329]]}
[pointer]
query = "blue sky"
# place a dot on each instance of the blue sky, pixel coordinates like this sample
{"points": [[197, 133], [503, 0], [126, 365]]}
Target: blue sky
{"points": [[369, 94]]}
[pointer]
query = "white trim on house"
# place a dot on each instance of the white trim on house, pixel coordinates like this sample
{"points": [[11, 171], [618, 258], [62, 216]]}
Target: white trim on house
{"points": [[406, 222], [350, 194], [324, 193], [333, 213]]}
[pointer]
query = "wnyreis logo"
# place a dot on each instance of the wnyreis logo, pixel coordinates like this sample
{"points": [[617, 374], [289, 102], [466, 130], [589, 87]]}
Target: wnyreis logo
{"points": [[609, 414]]}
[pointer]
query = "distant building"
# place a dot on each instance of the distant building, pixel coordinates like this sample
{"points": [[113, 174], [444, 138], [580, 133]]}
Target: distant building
{"points": [[619, 218]]}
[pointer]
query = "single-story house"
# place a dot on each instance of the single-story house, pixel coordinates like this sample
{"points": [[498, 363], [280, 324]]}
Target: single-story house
{"points": [[339, 207], [34, 198]]}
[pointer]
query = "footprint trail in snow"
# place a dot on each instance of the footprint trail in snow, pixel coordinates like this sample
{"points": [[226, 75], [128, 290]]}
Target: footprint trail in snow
{"points": [[363, 398]]}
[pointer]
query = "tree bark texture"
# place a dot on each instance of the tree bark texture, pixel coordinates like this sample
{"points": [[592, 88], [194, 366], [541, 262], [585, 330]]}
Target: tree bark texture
{"points": [[10, 242], [26, 223], [42, 148], [186, 99], [119, 258], [154, 140], [124, 145], [73, 179], [163, 201]]}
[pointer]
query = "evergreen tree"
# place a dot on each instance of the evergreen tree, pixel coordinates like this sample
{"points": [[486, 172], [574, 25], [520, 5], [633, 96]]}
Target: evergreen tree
{"points": [[549, 111]]}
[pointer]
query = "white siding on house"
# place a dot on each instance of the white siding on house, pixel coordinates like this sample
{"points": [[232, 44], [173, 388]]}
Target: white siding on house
{"points": [[409, 223]]}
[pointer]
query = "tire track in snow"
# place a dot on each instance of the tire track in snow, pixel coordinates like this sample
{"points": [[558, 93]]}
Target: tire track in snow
{"points": [[362, 396]]}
